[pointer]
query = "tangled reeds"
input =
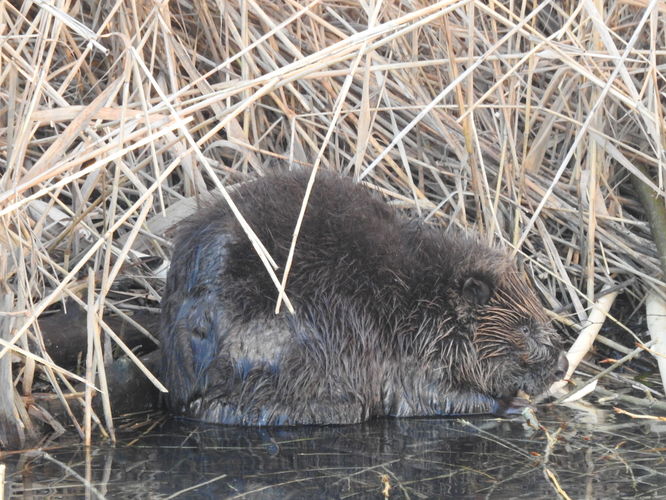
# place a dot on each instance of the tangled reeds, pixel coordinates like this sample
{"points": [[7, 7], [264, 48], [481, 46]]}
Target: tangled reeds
{"points": [[538, 124]]}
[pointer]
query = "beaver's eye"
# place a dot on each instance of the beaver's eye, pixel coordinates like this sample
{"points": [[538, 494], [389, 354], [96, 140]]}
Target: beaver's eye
{"points": [[525, 330]]}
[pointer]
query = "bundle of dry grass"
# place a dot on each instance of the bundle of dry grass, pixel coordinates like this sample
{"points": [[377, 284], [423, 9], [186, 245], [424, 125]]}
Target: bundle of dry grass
{"points": [[538, 124]]}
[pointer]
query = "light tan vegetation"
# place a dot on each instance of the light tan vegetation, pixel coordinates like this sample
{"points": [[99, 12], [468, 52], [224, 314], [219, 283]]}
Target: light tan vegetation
{"points": [[523, 120]]}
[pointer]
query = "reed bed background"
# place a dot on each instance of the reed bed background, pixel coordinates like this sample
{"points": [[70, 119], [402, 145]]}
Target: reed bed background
{"points": [[539, 125]]}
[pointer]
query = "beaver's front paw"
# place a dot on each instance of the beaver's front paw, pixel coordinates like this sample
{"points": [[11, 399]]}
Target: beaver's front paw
{"points": [[511, 406]]}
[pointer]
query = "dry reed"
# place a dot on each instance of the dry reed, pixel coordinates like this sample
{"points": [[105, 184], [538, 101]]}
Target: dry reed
{"points": [[529, 122]]}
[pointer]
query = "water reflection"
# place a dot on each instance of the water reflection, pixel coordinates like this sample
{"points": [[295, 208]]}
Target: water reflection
{"points": [[394, 458]]}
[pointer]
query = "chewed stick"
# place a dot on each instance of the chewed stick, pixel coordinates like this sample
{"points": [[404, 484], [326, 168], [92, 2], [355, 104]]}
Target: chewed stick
{"points": [[583, 344], [655, 308]]}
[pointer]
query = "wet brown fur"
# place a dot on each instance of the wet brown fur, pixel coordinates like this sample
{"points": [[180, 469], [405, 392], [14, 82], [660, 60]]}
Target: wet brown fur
{"points": [[393, 317]]}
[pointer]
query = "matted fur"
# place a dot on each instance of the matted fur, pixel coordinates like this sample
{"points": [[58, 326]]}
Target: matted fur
{"points": [[393, 317]]}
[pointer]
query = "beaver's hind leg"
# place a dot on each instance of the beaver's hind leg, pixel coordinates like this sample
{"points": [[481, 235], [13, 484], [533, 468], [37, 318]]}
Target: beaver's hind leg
{"points": [[267, 373]]}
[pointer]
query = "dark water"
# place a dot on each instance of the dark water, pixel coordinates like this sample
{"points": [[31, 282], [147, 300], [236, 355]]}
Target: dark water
{"points": [[588, 454]]}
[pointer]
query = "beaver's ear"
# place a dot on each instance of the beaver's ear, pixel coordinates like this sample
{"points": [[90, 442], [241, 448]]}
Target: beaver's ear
{"points": [[476, 291]]}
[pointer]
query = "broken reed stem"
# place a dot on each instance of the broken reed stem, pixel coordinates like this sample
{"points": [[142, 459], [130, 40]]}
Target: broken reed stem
{"points": [[90, 359]]}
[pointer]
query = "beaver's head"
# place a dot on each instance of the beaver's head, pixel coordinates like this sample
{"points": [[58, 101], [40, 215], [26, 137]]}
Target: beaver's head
{"points": [[509, 342]]}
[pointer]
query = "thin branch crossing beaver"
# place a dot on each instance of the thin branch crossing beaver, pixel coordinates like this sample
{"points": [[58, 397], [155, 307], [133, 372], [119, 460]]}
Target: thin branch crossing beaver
{"points": [[393, 317]]}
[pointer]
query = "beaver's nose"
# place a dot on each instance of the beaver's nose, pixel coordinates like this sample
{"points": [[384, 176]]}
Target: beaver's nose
{"points": [[562, 366]]}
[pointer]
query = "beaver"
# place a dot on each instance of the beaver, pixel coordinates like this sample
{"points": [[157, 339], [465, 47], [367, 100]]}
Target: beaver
{"points": [[393, 317]]}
